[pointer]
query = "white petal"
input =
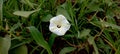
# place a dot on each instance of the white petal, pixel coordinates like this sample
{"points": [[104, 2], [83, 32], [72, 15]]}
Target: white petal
{"points": [[66, 26], [61, 17], [59, 31], [55, 20]]}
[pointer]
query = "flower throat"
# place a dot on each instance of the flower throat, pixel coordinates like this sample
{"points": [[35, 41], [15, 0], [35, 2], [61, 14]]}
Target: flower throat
{"points": [[58, 26]]}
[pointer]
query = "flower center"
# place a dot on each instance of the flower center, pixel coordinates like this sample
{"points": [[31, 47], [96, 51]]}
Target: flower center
{"points": [[58, 26]]}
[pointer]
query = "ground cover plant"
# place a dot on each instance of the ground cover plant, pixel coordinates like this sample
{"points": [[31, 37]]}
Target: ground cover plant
{"points": [[80, 27]]}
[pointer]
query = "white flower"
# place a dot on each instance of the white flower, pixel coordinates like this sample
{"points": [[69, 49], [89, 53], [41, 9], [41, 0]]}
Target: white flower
{"points": [[59, 25]]}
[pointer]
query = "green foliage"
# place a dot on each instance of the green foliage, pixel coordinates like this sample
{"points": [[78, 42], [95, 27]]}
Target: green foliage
{"points": [[52, 39], [66, 50], [94, 26], [5, 44], [1, 12], [118, 50], [37, 36], [84, 33], [20, 50], [24, 13], [92, 42], [62, 11], [47, 18]]}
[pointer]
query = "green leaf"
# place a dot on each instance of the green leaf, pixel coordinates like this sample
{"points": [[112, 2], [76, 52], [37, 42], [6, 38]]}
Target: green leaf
{"points": [[20, 50], [66, 50], [16, 42], [108, 36], [5, 44], [110, 19], [96, 23], [38, 37], [108, 2], [28, 3], [51, 39], [102, 23], [111, 25], [84, 33], [69, 36], [25, 14], [92, 42], [47, 18], [93, 7], [15, 26], [118, 50], [62, 11]]}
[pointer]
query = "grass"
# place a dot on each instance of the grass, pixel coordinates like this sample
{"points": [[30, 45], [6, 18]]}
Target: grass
{"points": [[95, 27]]}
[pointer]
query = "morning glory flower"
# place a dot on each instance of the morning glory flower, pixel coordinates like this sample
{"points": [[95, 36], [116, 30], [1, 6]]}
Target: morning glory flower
{"points": [[59, 25]]}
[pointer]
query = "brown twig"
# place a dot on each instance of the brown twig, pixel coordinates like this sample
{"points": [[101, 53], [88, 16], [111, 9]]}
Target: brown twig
{"points": [[110, 44], [73, 45]]}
